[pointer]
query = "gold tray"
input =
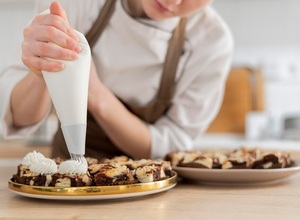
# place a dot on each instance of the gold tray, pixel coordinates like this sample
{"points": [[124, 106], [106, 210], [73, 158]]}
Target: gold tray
{"points": [[93, 192]]}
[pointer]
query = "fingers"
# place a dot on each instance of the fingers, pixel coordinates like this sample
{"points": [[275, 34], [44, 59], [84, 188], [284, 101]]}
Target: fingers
{"points": [[50, 50], [49, 36], [36, 64], [56, 9], [35, 56], [55, 21]]}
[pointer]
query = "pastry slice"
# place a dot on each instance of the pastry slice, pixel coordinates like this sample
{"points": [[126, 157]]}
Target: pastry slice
{"points": [[109, 174]]}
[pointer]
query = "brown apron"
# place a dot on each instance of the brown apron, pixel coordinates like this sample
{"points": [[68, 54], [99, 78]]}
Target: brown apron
{"points": [[98, 145]]}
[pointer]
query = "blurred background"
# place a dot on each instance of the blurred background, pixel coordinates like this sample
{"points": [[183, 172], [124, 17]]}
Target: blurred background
{"points": [[262, 94]]}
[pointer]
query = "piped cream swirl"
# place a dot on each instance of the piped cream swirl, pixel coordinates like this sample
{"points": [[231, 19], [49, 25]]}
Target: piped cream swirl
{"points": [[32, 158], [44, 166], [73, 166]]}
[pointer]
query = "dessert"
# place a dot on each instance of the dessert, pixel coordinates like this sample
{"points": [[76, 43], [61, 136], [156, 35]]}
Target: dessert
{"points": [[109, 174], [79, 166], [144, 170], [243, 158], [36, 170]]}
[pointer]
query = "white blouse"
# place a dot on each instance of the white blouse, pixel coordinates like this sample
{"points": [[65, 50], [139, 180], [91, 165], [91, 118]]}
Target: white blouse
{"points": [[129, 58]]}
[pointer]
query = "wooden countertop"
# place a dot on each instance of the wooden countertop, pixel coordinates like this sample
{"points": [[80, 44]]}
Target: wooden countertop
{"points": [[187, 200]]}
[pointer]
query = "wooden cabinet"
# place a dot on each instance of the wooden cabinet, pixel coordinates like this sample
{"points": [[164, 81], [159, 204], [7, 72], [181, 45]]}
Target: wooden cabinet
{"points": [[244, 92]]}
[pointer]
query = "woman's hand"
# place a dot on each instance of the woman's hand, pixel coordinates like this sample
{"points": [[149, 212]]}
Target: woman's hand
{"points": [[49, 36]]}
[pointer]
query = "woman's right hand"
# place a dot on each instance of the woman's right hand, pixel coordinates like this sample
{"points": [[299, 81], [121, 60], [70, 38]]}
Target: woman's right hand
{"points": [[49, 36]]}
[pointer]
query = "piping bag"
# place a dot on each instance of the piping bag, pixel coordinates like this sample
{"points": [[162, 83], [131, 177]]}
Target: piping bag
{"points": [[69, 92]]}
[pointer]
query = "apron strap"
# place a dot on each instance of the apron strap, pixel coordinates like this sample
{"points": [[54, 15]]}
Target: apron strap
{"points": [[163, 99], [167, 83], [100, 23]]}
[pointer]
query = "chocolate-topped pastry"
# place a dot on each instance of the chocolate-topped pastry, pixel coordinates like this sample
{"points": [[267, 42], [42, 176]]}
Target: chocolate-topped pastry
{"points": [[166, 167], [197, 162], [243, 158], [26, 176], [238, 159], [175, 157], [235, 164], [115, 160], [36, 170], [149, 171], [134, 164], [108, 174], [91, 160], [70, 180], [272, 161], [130, 171], [218, 158], [195, 159]]}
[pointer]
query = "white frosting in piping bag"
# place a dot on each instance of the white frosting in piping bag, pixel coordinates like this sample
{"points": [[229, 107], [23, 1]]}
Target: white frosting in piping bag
{"points": [[73, 166], [69, 92]]}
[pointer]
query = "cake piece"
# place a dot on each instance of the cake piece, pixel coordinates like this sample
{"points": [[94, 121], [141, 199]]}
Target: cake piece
{"points": [[242, 158], [175, 157], [109, 174], [197, 162], [91, 160], [195, 159], [218, 158], [115, 160], [272, 161], [235, 164], [27, 177], [70, 180], [150, 171], [36, 170], [238, 159]]}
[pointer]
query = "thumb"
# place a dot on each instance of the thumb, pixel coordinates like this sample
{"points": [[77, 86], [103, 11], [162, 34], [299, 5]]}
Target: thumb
{"points": [[55, 8]]}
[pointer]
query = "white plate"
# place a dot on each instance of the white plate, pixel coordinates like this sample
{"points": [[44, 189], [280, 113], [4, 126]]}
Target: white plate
{"points": [[236, 176], [93, 192]]}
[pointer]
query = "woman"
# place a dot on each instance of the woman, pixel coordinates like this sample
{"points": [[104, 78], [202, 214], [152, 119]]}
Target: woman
{"points": [[129, 60]]}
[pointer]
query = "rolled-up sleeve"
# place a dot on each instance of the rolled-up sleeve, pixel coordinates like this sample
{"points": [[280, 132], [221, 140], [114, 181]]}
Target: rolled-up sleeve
{"points": [[9, 78]]}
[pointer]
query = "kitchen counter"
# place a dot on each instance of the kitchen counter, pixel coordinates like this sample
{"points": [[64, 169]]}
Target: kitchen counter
{"points": [[187, 200]]}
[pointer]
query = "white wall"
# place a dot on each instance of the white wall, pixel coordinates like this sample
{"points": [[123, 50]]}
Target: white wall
{"points": [[262, 27], [14, 15], [267, 36]]}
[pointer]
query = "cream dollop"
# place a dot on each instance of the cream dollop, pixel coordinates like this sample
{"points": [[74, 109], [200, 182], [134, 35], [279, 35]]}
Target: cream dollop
{"points": [[73, 166], [44, 166], [32, 158]]}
